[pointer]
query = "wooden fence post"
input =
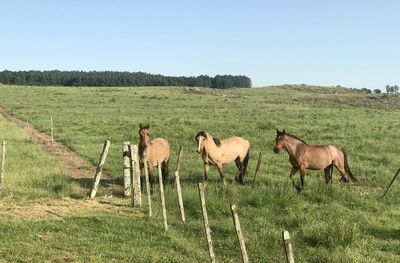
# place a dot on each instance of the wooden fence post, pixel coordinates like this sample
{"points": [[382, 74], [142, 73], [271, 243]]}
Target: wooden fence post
{"points": [[2, 171], [178, 162], [288, 247], [52, 130], [180, 199], [206, 224], [148, 190], [135, 177], [239, 234], [126, 168], [164, 209], [391, 182], [99, 168], [257, 168]]}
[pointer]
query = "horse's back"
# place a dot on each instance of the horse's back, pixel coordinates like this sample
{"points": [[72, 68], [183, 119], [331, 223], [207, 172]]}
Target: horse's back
{"points": [[236, 141], [157, 150], [314, 156], [236, 146]]}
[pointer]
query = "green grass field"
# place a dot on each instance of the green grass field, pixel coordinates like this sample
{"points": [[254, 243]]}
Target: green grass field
{"points": [[335, 223]]}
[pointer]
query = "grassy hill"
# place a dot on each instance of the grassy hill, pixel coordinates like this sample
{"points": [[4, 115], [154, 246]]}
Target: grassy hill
{"points": [[335, 223]]}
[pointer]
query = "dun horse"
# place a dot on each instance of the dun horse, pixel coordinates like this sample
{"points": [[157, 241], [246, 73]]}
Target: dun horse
{"points": [[218, 153], [303, 156], [156, 150]]}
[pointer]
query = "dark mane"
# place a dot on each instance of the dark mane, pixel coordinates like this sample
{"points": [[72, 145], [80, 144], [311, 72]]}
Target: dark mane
{"points": [[295, 137], [217, 141], [204, 134]]}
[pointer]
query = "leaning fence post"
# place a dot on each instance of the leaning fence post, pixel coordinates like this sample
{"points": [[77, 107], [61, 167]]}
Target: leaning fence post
{"points": [[257, 168], [239, 234], [148, 190], [126, 168], [3, 159], [288, 247], [180, 199], [135, 177], [164, 209], [99, 168], [391, 182], [206, 224]]}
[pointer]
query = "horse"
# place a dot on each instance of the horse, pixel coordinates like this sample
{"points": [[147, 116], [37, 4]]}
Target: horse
{"points": [[217, 153], [303, 156], [156, 150]]}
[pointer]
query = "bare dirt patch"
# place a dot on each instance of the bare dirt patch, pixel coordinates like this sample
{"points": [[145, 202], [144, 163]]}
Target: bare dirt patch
{"points": [[215, 92], [61, 208]]}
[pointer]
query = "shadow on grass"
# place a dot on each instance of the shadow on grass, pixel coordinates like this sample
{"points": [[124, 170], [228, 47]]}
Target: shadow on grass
{"points": [[115, 185], [384, 233]]}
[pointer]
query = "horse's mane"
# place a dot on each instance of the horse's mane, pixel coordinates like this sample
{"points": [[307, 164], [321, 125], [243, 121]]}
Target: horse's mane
{"points": [[201, 133], [295, 137], [204, 134], [217, 141]]}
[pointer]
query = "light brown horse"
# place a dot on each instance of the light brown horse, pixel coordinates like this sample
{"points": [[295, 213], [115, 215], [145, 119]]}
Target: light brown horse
{"points": [[303, 156], [218, 153], [156, 150]]}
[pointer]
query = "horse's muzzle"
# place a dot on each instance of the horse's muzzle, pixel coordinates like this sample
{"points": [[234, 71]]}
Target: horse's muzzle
{"points": [[276, 150]]}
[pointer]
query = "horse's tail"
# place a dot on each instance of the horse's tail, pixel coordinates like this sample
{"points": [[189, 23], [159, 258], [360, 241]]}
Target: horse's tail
{"points": [[347, 167], [246, 162]]}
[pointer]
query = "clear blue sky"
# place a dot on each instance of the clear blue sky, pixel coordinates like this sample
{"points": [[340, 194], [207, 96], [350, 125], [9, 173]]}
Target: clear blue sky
{"points": [[349, 43]]}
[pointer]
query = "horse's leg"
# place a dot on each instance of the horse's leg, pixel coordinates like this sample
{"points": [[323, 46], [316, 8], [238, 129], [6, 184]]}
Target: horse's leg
{"points": [[238, 177], [221, 173], [302, 175], [293, 171], [340, 166], [328, 173]]}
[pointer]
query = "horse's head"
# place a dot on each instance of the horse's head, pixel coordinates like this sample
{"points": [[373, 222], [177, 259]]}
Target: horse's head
{"points": [[144, 133], [279, 140], [200, 138]]}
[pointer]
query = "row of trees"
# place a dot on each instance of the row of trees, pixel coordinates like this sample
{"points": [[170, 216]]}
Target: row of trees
{"points": [[118, 79], [392, 89]]}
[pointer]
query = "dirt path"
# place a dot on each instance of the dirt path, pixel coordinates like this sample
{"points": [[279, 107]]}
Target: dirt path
{"points": [[80, 168]]}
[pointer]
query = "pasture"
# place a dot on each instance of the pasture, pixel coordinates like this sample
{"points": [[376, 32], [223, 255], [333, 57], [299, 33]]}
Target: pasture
{"points": [[327, 223]]}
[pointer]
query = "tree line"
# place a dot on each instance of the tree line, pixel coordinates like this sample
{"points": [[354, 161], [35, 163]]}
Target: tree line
{"points": [[392, 89], [118, 79]]}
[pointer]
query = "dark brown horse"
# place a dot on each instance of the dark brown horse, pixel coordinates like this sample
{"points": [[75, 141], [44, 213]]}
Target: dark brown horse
{"points": [[218, 153], [156, 150], [303, 156]]}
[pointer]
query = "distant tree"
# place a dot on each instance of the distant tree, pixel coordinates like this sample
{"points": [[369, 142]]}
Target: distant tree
{"points": [[396, 89], [387, 89], [377, 91]]}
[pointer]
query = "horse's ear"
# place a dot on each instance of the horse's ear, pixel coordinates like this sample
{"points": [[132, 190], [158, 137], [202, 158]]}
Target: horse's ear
{"points": [[140, 125], [277, 131], [147, 126], [284, 132]]}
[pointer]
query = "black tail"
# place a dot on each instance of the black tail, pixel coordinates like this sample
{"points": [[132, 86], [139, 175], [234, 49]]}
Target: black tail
{"points": [[245, 163], [347, 167]]}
